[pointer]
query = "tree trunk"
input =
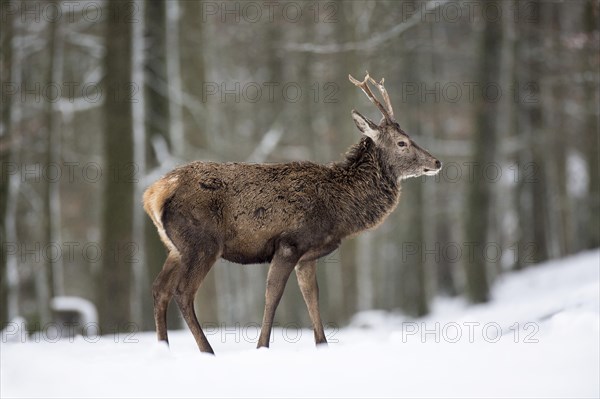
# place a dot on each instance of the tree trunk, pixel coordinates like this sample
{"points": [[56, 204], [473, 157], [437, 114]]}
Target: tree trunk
{"points": [[173, 52], [437, 221], [156, 95], [554, 132], [591, 26], [194, 122], [117, 220], [52, 195], [8, 151], [141, 298], [193, 75], [410, 246], [480, 190], [156, 90], [530, 174]]}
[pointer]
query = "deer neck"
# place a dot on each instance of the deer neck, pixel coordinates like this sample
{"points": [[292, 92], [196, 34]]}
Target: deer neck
{"points": [[371, 189]]}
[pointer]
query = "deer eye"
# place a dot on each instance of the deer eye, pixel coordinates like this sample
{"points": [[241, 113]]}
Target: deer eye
{"points": [[401, 144]]}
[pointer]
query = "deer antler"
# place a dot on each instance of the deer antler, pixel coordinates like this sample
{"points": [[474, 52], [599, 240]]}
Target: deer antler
{"points": [[386, 110]]}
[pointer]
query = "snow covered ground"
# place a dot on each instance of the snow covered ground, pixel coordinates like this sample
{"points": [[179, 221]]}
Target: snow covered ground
{"points": [[539, 337]]}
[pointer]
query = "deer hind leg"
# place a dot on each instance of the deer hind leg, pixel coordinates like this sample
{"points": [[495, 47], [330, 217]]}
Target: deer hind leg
{"points": [[279, 271], [162, 292], [306, 272], [194, 268]]}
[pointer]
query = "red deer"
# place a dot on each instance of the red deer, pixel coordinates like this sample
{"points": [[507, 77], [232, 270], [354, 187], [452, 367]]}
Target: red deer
{"points": [[288, 214]]}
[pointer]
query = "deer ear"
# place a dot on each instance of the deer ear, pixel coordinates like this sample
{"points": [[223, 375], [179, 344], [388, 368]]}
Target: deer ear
{"points": [[366, 126]]}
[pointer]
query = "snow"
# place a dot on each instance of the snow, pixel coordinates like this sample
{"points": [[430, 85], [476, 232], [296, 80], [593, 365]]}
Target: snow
{"points": [[578, 177], [85, 308], [538, 337]]}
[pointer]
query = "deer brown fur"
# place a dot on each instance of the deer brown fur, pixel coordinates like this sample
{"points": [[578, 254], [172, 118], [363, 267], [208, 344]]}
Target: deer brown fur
{"points": [[288, 214]]}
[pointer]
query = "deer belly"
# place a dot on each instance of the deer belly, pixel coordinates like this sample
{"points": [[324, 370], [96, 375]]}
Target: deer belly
{"points": [[251, 247], [319, 252]]}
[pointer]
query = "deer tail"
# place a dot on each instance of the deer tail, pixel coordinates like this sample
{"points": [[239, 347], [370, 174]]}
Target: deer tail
{"points": [[154, 199]]}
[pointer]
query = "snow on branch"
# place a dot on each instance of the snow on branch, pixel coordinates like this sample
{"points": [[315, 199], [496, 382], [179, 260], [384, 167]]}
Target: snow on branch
{"points": [[370, 43], [266, 145], [165, 159]]}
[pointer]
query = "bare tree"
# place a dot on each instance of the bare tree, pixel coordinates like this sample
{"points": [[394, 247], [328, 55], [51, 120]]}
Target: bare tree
{"points": [[141, 304], [176, 130], [9, 147], [157, 121], [52, 200], [119, 248], [411, 277], [531, 178], [485, 144], [590, 62]]}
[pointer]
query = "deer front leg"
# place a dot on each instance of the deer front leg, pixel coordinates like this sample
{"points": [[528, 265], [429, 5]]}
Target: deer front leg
{"points": [[306, 272], [279, 271]]}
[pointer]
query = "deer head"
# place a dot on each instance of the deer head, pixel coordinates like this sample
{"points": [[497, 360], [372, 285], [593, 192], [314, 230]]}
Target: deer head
{"points": [[402, 153]]}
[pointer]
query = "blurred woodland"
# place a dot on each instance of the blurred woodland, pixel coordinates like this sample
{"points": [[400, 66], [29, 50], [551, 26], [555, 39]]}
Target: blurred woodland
{"points": [[101, 98]]}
